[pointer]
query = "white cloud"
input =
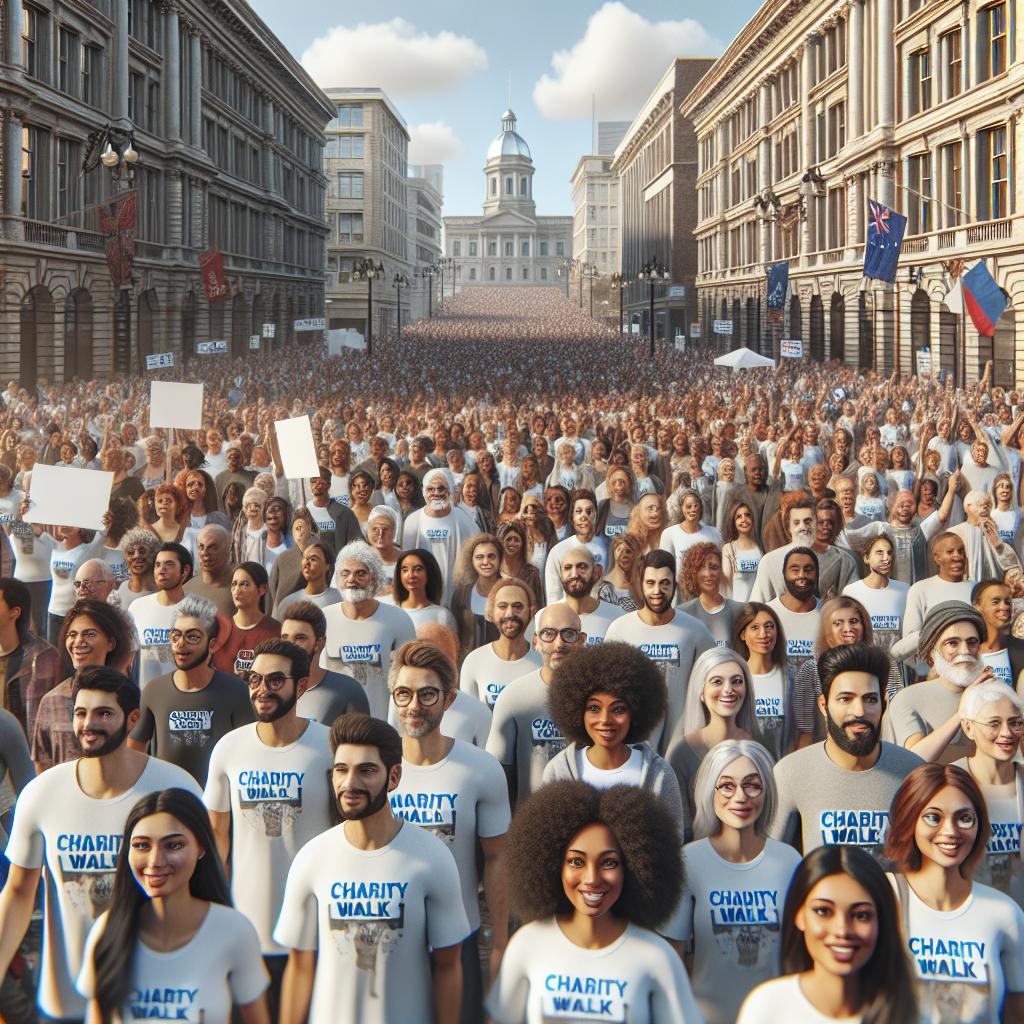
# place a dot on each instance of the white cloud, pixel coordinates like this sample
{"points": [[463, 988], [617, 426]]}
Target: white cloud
{"points": [[620, 59], [433, 143], [394, 56]]}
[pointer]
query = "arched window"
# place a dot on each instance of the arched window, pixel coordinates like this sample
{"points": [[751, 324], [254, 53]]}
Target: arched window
{"points": [[508, 187], [494, 186], [522, 186]]}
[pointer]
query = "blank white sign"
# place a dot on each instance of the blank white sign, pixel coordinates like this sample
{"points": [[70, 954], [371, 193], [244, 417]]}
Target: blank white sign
{"points": [[178, 406], [63, 496], [298, 454]]}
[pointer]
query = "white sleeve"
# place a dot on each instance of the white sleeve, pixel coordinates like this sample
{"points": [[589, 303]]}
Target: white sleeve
{"points": [[86, 980], [297, 923], [248, 977], [507, 1001], [217, 795], [447, 924]]}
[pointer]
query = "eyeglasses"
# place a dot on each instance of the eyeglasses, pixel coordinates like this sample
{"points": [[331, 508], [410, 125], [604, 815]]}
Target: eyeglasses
{"points": [[190, 636], [85, 584], [274, 680], [427, 696], [568, 635], [752, 789], [992, 727]]}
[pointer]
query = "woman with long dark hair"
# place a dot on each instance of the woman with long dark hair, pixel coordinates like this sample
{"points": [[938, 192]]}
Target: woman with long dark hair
{"points": [[250, 625], [201, 496], [409, 492], [477, 570], [171, 926], [515, 557], [418, 587], [741, 553], [842, 955], [966, 939]]}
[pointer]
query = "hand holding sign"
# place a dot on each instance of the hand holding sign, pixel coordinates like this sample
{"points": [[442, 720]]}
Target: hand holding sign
{"points": [[295, 442], [174, 405], [64, 496]]}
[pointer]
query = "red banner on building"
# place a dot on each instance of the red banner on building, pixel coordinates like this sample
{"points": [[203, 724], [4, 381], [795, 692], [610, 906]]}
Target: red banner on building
{"points": [[117, 222], [211, 266]]}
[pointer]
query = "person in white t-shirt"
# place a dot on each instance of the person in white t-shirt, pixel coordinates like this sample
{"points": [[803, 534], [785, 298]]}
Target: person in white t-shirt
{"points": [[67, 831], [841, 948], [373, 911], [966, 939], [679, 538], [154, 615], [579, 572], [171, 945], [592, 873]]}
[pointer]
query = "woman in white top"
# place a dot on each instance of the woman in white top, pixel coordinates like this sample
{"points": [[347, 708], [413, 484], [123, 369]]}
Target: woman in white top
{"points": [[591, 874], [900, 476], [869, 502], [615, 507], [993, 719], [719, 706], [736, 880], [994, 600], [621, 583], [841, 957], [418, 586], [966, 939], [382, 527], [741, 554], [171, 926], [1005, 513], [690, 530]]}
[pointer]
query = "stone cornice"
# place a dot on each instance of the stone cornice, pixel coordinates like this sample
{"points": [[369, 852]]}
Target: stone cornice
{"points": [[637, 138]]}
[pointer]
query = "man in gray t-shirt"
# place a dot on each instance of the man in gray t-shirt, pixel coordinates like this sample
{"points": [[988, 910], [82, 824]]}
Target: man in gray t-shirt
{"points": [[840, 791], [184, 713]]}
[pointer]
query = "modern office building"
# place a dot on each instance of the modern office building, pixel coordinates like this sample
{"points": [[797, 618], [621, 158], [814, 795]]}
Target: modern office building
{"points": [[228, 129], [426, 229]]}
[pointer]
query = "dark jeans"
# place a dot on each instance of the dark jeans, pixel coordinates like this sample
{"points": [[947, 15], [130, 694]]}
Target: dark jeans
{"points": [[472, 981], [275, 968], [40, 594]]}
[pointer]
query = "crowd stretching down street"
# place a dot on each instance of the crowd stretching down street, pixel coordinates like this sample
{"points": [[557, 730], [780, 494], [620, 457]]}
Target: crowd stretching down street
{"points": [[575, 686]]}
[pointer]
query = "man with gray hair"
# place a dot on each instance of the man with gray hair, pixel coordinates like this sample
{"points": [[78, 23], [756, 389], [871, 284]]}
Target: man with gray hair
{"points": [[213, 582], [184, 713], [926, 717], [988, 555], [94, 579], [362, 633]]}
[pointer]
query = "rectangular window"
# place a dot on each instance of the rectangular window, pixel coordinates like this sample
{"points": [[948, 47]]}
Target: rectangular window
{"points": [[508, 273], [837, 218], [559, 248], [492, 248], [350, 186], [952, 47], [952, 159], [33, 27], [137, 99], [993, 37], [350, 227], [472, 273], [919, 200], [543, 273], [525, 249], [91, 86], [508, 249], [998, 173], [456, 248], [68, 51], [526, 273], [472, 249], [350, 115], [920, 81], [543, 248], [67, 176], [490, 274], [34, 152], [349, 147]]}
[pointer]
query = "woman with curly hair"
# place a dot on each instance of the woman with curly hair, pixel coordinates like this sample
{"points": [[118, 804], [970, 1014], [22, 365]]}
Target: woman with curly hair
{"points": [[841, 948], [477, 569], [607, 701], [732, 951], [171, 513], [515, 557], [123, 515], [139, 547], [741, 553], [621, 583], [719, 705], [700, 581], [592, 873], [648, 520]]}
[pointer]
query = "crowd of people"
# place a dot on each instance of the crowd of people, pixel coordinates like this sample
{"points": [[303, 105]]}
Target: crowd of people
{"points": [[573, 687]]}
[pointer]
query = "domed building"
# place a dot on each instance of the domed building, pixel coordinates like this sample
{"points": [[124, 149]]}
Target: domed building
{"points": [[509, 244]]}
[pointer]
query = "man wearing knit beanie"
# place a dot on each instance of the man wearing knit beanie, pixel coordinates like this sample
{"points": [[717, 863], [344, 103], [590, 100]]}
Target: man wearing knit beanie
{"points": [[925, 717]]}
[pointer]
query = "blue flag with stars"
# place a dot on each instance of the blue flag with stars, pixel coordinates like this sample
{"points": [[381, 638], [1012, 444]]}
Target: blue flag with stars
{"points": [[885, 236]]}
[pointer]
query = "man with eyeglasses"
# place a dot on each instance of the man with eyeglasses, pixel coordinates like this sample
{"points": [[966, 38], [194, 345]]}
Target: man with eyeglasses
{"points": [[523, 735], [579, 573], [94, 580], [926, 717], [184, 714], [457, 792], [267, 793]]}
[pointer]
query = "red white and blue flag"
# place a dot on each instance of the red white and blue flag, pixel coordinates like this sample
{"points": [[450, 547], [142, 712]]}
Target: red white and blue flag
{"points": [[885, 236], [983, 298]]}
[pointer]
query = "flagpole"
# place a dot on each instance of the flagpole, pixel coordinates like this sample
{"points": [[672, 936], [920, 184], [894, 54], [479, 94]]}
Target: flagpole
{"points": [[896, 313]]}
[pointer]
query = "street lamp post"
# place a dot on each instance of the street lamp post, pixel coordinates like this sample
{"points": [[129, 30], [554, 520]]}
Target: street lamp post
{"points": [[117, 150], [427, 274], [364, 269], [619, 284], [445, 263], [652, 272], [398, 282], [565, 270], [589, 271]]}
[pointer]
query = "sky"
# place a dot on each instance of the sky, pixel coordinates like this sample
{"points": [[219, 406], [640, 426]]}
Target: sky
{"points": [[447, 66]]}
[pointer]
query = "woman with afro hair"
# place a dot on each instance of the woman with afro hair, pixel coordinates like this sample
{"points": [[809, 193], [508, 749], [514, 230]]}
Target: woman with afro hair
{"points": [[592, 873], [606, 701]]}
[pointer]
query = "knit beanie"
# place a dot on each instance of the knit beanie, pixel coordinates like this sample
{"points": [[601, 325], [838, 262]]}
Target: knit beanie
{"points": [[939, 619]]}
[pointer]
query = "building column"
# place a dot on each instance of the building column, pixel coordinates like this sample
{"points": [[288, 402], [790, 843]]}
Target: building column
{"points": [[175, 213], [940, 76], [855, 69], [886, 189], [120, 109], [195, 83], [172, 73], [15, 27], [764, 157], [12, 164], [885, 54], [268, 144], [807, 139]]}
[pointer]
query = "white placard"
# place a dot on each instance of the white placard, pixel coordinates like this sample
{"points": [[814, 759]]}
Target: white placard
{"points": [[695, 330], [295, 442], [254, 341], [723, 327], [160, 361], [314, 324], [924, 362], [269, 330], [175, 405], [207, 348], [791, 348], [680, 343], [63, 496]]}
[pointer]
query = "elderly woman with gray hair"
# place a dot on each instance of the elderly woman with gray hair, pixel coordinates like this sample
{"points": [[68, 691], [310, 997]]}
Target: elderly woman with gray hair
{"points": [[735, 880]]}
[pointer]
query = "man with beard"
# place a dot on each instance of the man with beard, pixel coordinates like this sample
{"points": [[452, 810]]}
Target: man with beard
{"points": [[154, 614], [70, 820], [185, 713], [213, 545], [988, 555], [925, 717], [487, 670], [328, 694], [836, 565], [579, 573], [456, 791], [668, 636], [951, 583], [523, 735], [438, 527], [797, 607], [373, 910], [801, 527], [840, 790], [362, 633], [267, 793]]}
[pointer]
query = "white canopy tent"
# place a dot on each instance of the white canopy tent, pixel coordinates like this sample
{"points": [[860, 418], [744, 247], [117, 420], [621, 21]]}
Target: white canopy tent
{"points": [[744, 359]]}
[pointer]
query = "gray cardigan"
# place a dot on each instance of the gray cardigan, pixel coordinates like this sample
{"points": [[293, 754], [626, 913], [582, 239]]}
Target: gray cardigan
{"points": [[656, 777]]}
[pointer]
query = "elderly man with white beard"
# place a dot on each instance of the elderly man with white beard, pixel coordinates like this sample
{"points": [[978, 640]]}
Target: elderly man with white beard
{"points": [[802, 528], [439, 527], [926, 717], [988, 555]]}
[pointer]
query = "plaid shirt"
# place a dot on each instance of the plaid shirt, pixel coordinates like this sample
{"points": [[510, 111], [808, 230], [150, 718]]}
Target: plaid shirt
{"points": [[54, 740], [36, 676]]}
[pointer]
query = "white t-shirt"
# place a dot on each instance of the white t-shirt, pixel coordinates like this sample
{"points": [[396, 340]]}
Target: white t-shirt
{"points": [[443, 536], [279, 799], [219, 966], [362, 648], [322, 517], [770, 711], [676, 541], [886, 607], [733, 915], [372, 916], [484, 675], [457, 799], [544, 978], [75, 839], [595, 624], [153, 621], [339, 488], [782, 999], [629, 773], [31, 553], [999, 661], [971, 956], [598, 548], [801, 631]]}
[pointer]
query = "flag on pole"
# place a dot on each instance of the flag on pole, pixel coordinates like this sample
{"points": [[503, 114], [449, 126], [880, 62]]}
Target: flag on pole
{"points": [[885, 236], [778, 282], [117, 223], [983, 298]]}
